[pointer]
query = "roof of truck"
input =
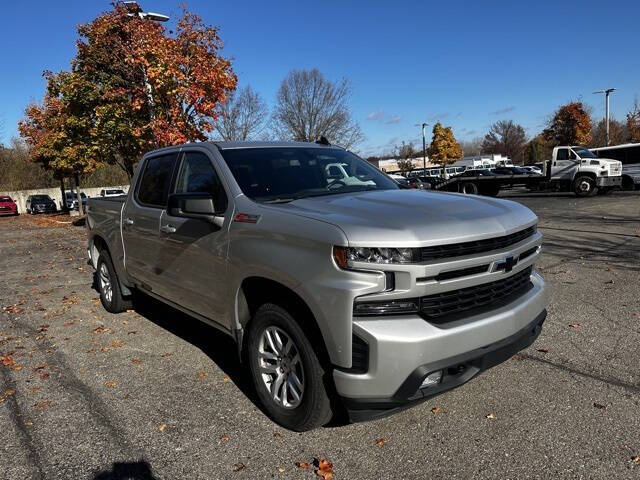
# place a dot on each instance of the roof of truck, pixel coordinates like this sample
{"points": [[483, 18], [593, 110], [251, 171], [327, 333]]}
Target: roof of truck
{"points": [[233, 145]]}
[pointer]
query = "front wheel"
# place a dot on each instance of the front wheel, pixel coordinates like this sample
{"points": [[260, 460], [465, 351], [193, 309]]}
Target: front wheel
{"points": [[286, 371], [584, 186]]}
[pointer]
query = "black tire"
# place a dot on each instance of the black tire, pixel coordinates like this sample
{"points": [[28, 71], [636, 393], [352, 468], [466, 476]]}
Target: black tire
{"points": [[314, 409], [469, 188], [584, 186], [114, 303]]}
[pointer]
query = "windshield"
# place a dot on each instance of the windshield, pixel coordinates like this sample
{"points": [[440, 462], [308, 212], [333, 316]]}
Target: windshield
{"points": [[115, 192], [41, 197], [5, 199], [282, 174], [583, 152]]}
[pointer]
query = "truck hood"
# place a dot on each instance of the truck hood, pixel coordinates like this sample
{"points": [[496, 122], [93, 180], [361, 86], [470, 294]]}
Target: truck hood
{"points": [[413, 218]]}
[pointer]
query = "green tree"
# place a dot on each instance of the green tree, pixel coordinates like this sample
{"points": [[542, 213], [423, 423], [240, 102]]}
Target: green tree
{"points": [[444, 147]]}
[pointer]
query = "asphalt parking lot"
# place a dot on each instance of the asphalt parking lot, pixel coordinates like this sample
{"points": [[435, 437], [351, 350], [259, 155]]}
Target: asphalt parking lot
{"points": [[153, 394]]}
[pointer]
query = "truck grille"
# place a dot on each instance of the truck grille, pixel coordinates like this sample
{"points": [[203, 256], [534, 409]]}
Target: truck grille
{"points": [[446, 306], [470, 248]]}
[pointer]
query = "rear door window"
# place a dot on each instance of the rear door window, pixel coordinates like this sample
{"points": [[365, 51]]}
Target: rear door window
{"points": [[154, 185]]}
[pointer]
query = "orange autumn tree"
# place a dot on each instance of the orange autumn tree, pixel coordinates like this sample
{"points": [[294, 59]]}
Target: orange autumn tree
{"points": [[135, 86], [570, 125]]}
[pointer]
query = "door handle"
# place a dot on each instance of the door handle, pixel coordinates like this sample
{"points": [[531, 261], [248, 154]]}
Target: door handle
{"points": [[127, 221], [168, 229]]}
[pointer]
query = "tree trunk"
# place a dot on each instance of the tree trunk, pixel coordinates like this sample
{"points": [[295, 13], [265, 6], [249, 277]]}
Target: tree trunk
{"points": [[76, 179], [63, 203]]}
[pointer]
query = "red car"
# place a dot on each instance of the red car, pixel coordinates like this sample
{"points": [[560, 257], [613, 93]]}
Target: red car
{"points": [[8, 206]]}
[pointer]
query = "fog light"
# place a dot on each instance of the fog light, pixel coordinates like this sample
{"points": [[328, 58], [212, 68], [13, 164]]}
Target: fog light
{"points": [[432, 379]]}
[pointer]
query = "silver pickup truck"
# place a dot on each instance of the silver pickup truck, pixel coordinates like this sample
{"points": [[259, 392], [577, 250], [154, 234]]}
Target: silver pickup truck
{"points": [[343, 294]]}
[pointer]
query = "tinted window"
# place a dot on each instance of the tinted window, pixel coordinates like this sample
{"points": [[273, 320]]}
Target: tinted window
{"points": [[563, 154], [286, 173], [156, 180], [197, 175]]}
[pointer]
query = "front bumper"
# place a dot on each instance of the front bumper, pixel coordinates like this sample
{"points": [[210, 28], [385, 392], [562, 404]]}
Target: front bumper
{"points": [[403, 350], [609, 181]]}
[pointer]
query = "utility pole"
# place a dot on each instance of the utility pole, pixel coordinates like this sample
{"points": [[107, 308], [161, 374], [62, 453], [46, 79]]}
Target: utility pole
{"points": [[606, 97], [424, 147]]}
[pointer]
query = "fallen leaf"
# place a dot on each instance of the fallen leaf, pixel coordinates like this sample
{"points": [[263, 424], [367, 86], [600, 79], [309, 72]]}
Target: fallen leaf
{"points": [[238, 467], [132, 332], [543, 350], [636, 459], [225, 438], [491, 416], [324, 469], [7, 361], [202, 374], [104, 349], [68, 324], [161, 427], [43, 327], [44, 376], [381, 441], [303, 465], [435, 410], [226, 379], [100, 329], [70, 300], [43, 405], [136, 361], [7, 394], [13, 309], [575, 326], [33, 390], [95, 301], [40, 367], [117, 343], [277, 434], [165, 355], [599, 405], [110, 384], [281, 470]]}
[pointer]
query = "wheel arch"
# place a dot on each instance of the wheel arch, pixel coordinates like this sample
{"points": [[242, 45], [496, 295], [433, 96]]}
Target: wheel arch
{"points": [[255, 291]]}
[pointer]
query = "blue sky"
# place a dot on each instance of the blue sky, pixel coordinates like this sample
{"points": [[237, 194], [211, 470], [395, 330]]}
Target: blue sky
{"points": [[467, 64]]}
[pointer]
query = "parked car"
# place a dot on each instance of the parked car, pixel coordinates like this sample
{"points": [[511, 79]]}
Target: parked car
{"points": [[477, 173], [71, 198], [8, 206], [400, 180], [532, 169], [40, 203], [367, 296], [111, 192], [415, 182], [511, 171]]}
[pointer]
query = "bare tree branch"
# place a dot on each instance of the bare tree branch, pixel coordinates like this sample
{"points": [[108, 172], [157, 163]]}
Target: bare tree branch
{"points": [[309, 107], [243, 116]]}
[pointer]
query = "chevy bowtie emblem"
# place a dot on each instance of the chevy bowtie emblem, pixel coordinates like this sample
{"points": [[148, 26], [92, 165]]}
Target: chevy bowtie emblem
{"points": [[507, 264]]}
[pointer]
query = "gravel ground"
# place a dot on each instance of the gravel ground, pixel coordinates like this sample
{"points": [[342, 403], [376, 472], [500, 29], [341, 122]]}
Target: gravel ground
{"points": [[152, 394]]}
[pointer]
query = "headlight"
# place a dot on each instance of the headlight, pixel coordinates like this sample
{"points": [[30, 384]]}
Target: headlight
{"points": [[344, 255]]}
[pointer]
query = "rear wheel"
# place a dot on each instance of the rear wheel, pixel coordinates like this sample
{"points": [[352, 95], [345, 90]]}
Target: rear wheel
{"points": [[469, 188], [286, 371], [110, 293], [584, 186]]}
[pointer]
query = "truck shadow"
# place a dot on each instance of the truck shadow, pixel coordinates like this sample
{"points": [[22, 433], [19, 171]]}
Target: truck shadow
{"points": [[218, 346], [140, 470]]}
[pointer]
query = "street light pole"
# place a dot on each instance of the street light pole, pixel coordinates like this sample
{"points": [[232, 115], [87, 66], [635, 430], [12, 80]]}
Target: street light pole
{"points": [[424, 147], [606, 100], [135, 10]]}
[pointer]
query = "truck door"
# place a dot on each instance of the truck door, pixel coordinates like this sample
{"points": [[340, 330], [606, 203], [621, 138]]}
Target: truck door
{"points": [[564, 166], [192, 267], [141, 218]]}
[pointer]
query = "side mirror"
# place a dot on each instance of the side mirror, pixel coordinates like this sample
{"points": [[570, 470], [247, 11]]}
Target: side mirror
{"points": [[194, 205]]}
